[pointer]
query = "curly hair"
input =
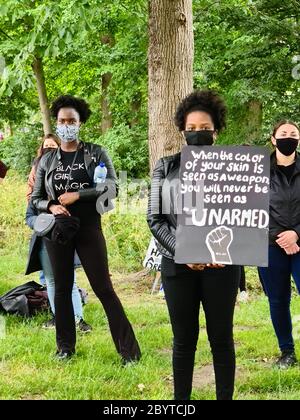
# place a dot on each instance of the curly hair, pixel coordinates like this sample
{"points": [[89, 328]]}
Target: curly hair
{"points": [[202, 100], [68, 101]]}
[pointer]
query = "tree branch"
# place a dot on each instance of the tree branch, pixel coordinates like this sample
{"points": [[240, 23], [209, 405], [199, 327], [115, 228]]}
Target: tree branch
{"points": [[4, 33]]}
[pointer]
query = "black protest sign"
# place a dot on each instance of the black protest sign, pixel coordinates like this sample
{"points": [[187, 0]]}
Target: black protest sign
{"points": [[223, 205]]}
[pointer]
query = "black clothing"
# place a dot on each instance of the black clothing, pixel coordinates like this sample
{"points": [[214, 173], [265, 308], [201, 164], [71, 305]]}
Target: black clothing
{"points": [[243, 283], [163, 226], [90, 245], [284, 199], [44, 193], [79, 181], [216, 289], [34, 263], [79, 178], [24, 300], [3, 169], [288, 171], [186, 289], [65, 228]]}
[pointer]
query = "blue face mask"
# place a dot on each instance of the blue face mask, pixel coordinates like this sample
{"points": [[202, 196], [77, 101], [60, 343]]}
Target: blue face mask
{"points": [[68, 133]]}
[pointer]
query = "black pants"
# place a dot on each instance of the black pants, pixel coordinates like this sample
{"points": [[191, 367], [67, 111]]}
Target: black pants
{"points": [[243, 285], [90, 245], [216, 289]]}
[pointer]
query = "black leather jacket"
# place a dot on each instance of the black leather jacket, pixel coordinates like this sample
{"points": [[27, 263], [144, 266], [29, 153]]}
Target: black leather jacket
{"points": [[43, 194], [284, 200], [163, 223]]}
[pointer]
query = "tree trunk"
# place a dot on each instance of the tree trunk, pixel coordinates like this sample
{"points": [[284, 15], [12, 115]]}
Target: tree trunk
{"points": [[106, 119], [136, 108], [10, 128], [254, 121], [171, 57], [42, 93]]}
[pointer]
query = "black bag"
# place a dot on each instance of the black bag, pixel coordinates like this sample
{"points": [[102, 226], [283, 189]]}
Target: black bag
{"points": [[65, 229], [25, 300]]}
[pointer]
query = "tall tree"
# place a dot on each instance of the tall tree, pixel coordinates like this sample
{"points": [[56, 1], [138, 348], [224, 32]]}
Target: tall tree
{"points": [[29, 33], [38, 70], [245, 50], [171, 55], [106, 120]]}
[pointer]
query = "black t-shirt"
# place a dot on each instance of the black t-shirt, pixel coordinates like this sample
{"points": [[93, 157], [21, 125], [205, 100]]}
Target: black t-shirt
{"points": [[79, 180], [287, 170]]}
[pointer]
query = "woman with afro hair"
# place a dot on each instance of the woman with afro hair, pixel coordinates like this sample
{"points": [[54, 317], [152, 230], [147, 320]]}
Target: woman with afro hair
{"points": [[200, 117], [65, 187]]}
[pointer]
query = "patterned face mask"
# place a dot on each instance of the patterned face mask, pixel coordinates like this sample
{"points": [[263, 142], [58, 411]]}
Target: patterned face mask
{"points": [[68, 133]]}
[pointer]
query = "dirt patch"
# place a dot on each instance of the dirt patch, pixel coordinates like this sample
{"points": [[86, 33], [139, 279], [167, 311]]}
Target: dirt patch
{"points": [[139, 283], [133, 285], [245, 328], [266, 363], [205, 377], [166, 351], [32, 397]]}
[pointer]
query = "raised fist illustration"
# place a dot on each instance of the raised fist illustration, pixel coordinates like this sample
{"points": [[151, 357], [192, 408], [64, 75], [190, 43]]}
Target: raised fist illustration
{"points": [[218, 242]]}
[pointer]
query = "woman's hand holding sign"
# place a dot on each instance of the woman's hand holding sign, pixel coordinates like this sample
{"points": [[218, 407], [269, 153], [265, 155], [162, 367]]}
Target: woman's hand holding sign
{"points": [[197, 267], [201, 267]]}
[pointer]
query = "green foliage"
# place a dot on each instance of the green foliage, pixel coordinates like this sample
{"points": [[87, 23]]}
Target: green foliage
{"points": [[70, 38], [30, 372], [128, 149], [19, 150], [36, 29], [14, 235], [127, 235], [245, 50]]}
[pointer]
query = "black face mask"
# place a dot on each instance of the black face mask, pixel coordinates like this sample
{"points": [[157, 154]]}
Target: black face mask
{"points": [[199, 138], [47, 150], [287, 145]]}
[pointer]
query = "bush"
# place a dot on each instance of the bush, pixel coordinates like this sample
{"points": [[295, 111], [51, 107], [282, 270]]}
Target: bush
{"points": [[128, 237], [127, 147], [14, 234], [19, 150], [127, 234]]}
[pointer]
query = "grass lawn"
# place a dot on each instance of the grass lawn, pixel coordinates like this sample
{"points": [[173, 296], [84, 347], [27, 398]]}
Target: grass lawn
{"points": [[29, 371]]}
